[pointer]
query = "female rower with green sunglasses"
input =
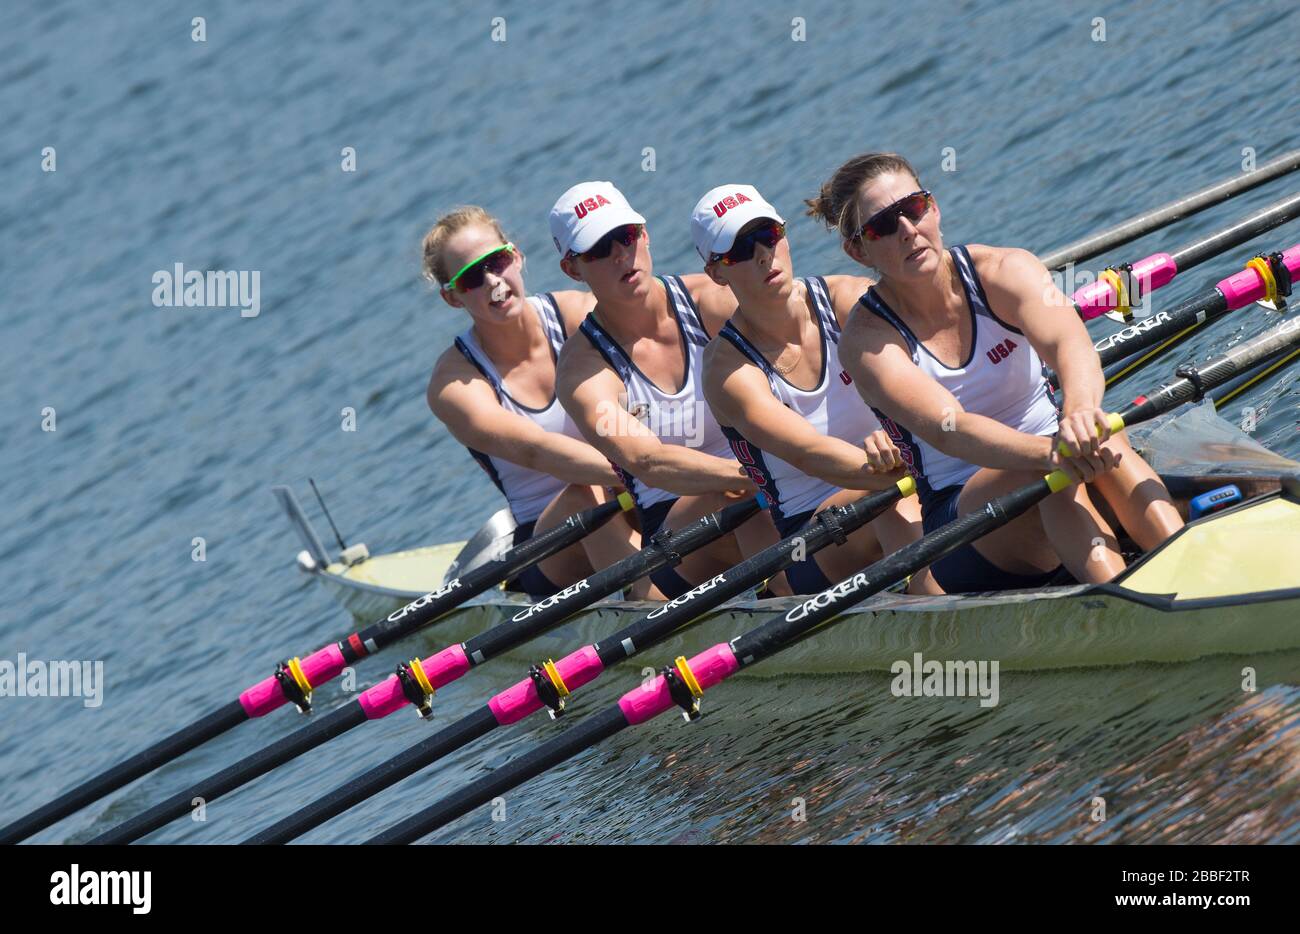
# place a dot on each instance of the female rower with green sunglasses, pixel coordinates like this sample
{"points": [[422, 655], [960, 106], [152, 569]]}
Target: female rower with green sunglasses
{"points": [[494, 389], [773, 378], [947, 347]]}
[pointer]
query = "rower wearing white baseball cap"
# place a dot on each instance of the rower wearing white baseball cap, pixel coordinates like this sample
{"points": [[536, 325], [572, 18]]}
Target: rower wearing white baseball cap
{"points": [[632, 381], [773, 378]]}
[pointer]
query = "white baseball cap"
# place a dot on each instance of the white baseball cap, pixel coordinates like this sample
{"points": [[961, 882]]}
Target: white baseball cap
{"points": [[586, 212], [721, 213]]}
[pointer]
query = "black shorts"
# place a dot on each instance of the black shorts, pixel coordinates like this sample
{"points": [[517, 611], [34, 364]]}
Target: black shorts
{"points": [[670, 583], [530, 580], [806, 576], [966, 570]]}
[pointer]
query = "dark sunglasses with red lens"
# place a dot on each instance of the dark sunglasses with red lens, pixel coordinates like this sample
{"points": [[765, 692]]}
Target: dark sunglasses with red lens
{"points": [[626, 235], [769, 233], [885, 223]]}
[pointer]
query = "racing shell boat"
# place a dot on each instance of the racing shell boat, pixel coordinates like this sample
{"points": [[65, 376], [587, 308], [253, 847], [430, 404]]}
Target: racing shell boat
{"points": [[1227, 583]]}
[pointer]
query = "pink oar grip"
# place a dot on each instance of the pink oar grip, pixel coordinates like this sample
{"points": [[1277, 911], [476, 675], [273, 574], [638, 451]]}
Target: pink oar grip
{"points": [[1245, 287], [321, 666], [1149, 274], [441, 669], [711, 667], [515, 703], [262, 697]]}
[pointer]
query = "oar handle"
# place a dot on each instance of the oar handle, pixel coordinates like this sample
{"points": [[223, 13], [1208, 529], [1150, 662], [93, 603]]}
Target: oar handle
{"points": [[1114, 421]]}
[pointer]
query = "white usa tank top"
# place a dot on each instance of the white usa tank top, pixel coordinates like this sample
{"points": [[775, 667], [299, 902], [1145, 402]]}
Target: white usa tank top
{"points": [[682, 417], [527, 491], [1002, 379], [833, 407]]}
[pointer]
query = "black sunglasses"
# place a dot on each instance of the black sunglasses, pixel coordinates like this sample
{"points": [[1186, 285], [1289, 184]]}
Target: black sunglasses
{"points": [[770, 233], [626, 235], [884, 223]]}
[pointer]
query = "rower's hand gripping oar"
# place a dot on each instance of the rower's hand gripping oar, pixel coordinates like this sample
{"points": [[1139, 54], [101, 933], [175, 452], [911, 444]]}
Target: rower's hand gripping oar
{"points": [[549, 684], [416, 682], [683, 683], [295, 679]]}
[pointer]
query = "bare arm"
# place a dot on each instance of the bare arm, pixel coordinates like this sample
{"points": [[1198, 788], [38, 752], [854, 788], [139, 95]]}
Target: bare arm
{"points": [[464, 401], [875, 356], [1021, 288], [589, 390], [739, 395]]}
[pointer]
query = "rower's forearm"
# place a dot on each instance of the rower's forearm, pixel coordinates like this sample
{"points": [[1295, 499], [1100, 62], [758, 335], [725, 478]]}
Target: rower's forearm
{"points": [[573, 462], [988, 443], [838, 463], [1082, 381], [687, 472]]}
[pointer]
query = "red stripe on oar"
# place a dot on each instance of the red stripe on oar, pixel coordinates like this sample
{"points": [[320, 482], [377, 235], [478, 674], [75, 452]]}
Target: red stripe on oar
{"points": [[1139, 400], [357, 645]]}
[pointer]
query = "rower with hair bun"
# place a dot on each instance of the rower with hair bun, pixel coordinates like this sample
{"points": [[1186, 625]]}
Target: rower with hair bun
{"points": [[947, 347]]}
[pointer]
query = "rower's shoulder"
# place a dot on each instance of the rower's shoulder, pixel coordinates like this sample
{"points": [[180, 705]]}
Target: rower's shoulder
{"points": [[1001, 264], [864, 331], [720, 358], [451, 365], [578, 362], [716, 303], [573, 305], [452, 374], [846, 293]]}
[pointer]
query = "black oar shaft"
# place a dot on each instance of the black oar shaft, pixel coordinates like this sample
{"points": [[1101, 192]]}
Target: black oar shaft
{"points": [[594, 729], [329, 726], [459, 734], [420, 613], [544, 615], [800, 622], [664, 549], [142, 763], [830, 605], [827, 527], [397, 625], [1150, 221]]}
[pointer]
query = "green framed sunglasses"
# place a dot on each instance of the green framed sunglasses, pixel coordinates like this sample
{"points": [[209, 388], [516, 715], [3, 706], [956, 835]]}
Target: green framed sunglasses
{"points": [[496, 260]]}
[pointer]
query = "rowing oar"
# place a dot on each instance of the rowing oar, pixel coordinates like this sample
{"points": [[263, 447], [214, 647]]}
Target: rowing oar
{"points": [[683, 683], [295, 679], [1151, 221], [1267, 277], [415, 682], [1121, 286], [550, 684]]}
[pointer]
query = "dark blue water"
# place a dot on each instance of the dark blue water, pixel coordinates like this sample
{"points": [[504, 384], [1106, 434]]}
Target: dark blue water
{"points": [[172, 423]]}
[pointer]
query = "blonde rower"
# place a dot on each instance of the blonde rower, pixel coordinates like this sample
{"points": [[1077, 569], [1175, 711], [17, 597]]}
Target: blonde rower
{"points": [[949, 345], [774, 380], [494, 389]]}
